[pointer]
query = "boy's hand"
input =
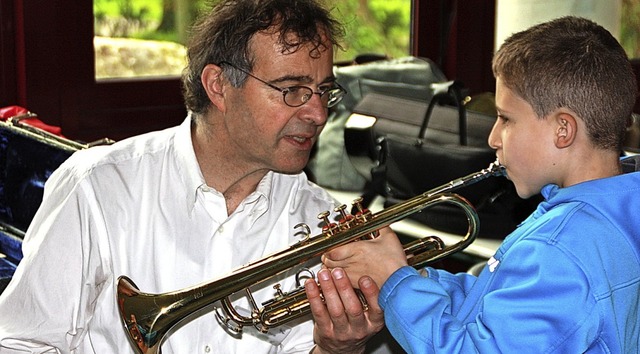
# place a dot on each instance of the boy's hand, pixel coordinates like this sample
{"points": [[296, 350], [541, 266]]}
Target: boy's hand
{"points": [[377, 258]]}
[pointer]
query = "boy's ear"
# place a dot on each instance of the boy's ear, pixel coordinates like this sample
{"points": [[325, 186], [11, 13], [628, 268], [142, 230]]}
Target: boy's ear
{"points": [[566, 129], [213, 84]]}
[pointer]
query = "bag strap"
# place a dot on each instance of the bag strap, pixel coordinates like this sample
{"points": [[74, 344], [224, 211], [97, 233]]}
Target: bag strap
{"points": [[377, 184], [449, 92]]}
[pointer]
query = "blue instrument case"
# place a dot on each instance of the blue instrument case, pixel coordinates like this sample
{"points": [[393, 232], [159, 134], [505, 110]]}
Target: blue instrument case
{"points": [[28, 156]]}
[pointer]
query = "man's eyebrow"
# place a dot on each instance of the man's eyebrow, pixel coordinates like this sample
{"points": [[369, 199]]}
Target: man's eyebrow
{"points": [[305, 79]]}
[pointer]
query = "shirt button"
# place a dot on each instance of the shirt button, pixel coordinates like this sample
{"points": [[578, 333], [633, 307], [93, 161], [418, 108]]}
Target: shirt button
{"points": [[207, 349], [220, 229]]}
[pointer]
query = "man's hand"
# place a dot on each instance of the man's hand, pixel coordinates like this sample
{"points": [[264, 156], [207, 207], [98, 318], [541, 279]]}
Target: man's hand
{"points": [[342, 324]]}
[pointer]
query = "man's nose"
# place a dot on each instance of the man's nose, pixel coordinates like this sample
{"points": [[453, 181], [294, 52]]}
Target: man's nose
{"points": [[315, 111]]}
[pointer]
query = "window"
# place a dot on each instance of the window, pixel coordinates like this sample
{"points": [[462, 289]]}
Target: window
{"points": [[374, 26], [146, 38], [141, 38], [49, 59], [630, 28]]}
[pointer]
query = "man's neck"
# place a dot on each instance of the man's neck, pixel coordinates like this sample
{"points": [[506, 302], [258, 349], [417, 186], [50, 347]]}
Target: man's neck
{"points": [[221, 171]]}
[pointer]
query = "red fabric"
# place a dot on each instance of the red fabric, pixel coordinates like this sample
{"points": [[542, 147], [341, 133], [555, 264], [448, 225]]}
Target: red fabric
{"points": [[11, 111]]}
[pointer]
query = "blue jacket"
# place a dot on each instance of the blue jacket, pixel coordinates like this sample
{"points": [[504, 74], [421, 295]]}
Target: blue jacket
{"points": [[567, 280]]}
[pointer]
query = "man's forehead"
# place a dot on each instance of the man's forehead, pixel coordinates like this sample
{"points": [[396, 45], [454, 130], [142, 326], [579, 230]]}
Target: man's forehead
{"points": [[290, 42]]}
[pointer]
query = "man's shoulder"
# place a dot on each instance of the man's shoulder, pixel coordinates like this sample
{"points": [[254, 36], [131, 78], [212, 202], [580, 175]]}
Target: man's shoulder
{"points": [[128, 150], [124, 159]]}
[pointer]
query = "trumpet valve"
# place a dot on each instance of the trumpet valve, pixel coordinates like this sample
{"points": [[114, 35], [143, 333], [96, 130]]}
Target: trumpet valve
{"points": [[346, 220], [363, 215], [329, 228], [279, 294]]}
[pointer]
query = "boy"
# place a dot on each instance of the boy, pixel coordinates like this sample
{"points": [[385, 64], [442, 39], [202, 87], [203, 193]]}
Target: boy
{"points": [[567, 280]]}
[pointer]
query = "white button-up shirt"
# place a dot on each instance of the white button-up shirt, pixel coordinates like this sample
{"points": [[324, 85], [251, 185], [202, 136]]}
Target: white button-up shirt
{"points": [[140, 208]]}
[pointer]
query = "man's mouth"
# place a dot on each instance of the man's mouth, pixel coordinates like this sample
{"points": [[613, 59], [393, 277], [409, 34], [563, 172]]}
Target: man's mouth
{"points": [[302, 141]]}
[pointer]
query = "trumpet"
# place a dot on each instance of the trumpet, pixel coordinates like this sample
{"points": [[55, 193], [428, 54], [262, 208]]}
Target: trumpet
{"points": [[147, 318]]}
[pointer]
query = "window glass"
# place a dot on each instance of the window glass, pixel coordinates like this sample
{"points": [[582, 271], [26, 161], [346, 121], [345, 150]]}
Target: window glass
{"points": [[140, 38], [374, 27], [145, 38]]}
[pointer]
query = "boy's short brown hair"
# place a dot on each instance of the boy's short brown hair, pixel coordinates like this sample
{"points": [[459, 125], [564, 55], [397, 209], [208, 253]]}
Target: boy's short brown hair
{"points": [[574, 63]]}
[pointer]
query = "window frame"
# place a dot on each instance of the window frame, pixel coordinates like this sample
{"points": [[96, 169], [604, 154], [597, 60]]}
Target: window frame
{"points": [[48, 65], [59, 78]]}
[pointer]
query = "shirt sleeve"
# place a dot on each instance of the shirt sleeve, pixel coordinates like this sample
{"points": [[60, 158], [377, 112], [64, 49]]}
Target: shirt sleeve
{"points": [[540, 302], [51, 296]]}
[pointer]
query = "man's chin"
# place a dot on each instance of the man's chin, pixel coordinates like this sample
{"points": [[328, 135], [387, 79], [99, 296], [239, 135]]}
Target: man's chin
{"points": [[289, 170], [292, 166]]}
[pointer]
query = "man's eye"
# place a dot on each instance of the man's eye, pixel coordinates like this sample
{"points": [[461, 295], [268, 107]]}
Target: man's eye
{"points": [[294, 89]]}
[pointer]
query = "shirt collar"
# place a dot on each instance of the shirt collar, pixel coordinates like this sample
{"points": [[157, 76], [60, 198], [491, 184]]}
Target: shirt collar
{"points": [[258, 199], [193, 178]]}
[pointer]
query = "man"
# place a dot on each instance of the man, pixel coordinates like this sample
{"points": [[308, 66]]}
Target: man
{"points": [[567, 280], [179, 207]]}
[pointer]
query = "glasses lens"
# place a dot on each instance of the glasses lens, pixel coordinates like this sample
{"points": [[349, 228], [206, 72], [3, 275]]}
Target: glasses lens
{"points": [[334, 96], [296, 96]]}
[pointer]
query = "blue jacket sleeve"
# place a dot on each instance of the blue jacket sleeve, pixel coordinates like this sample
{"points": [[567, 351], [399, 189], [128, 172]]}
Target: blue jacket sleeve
{"points": [[536, 301]]}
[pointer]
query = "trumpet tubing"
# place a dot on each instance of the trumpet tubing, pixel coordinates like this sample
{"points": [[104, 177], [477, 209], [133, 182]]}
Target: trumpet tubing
{"points": [[148, 317]]}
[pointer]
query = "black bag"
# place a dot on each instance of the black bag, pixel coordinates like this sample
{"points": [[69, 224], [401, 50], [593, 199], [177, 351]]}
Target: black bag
{"points": [[378, 115], [408, 77], [450, 142]]}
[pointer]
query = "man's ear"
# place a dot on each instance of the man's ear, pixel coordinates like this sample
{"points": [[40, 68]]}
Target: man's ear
{"points": [[566, 129], [213, 84]]}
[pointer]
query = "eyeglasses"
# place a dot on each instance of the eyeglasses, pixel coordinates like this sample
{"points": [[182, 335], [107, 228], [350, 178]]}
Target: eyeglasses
{"points": [[296, 96]]}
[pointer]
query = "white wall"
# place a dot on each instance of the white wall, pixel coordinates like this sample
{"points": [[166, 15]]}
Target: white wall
{"points": [[516, 15]]}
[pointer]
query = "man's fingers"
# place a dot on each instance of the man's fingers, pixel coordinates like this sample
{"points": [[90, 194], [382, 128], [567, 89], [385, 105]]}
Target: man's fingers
{"points": [[332, 298], [351, 301], [370, 291], [341, 319], [316, 303], [368, 287]]}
